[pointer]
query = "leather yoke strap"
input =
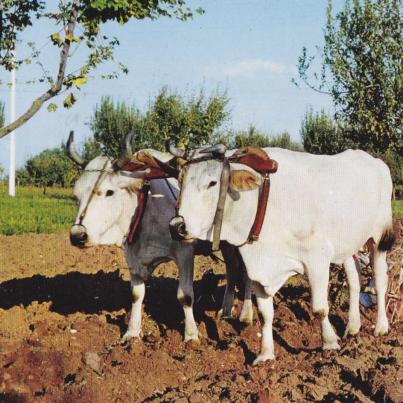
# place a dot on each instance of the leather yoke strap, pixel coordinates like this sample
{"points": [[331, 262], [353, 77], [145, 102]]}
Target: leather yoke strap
{"points": [[219, 214], [257, 159], [138, 213], [261, 209]]}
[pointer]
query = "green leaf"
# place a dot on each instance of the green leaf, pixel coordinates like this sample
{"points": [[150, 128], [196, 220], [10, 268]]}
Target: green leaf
{"points": [[52, 107], [55, 38], [69, 101], [79, 81], [72, 38]]}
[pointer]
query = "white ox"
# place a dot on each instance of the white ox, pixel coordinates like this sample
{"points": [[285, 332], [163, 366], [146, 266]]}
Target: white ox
{"points": [[106, 203], [321, 209]]}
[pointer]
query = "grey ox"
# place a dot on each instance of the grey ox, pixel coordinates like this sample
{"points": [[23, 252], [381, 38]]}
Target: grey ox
{"points": [[106, 203]]}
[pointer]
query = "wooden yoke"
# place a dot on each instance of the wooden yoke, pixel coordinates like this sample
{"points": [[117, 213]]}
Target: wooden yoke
{"points": [[154, 168]]}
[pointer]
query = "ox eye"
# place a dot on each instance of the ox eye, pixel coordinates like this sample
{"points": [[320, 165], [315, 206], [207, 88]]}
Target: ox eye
{"points": [[109, 193], [211, 184]]}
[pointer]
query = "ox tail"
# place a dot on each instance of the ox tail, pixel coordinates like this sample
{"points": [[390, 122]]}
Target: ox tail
{"points": [[387, 240]]}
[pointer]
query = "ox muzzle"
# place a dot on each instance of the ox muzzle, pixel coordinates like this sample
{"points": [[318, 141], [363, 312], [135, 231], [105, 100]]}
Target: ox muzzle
{"points": [[177, 228], [78, 235]]}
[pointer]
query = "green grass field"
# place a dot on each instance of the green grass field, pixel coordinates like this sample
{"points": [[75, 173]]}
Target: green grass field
{"points": [[397, 206], [32, 211]]}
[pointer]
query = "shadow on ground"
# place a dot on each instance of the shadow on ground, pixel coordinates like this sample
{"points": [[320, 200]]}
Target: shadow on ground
{"points": [[106, 291]]}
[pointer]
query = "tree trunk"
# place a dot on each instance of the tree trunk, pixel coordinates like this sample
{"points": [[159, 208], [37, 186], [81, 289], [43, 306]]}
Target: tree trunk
{"points": [[55, 89]]}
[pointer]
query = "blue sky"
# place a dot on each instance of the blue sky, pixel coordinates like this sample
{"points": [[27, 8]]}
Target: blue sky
{"points": [[247, 47]]}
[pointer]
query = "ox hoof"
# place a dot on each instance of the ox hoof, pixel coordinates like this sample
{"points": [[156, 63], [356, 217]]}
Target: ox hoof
{"points": [[352, 329], [246, 316], [130, 335], [262, 358], [247, 320], [192, 337], [331, 346], [381, 329]]}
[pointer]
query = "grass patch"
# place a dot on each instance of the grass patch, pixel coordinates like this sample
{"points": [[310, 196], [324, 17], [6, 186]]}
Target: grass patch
{"points": [[33, 211], [397, 207]]}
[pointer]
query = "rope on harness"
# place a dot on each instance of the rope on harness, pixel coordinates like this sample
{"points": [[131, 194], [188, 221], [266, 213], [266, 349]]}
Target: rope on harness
{"points": [[170, 189], [101, 176], [219, 214], [216, 258]]}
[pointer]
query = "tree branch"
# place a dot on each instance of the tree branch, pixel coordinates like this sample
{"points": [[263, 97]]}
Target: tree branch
{"points": [[55, 89], [314, 88]]}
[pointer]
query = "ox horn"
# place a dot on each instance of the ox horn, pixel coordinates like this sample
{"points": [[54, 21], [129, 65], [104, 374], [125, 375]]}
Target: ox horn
{"points": [[217, 149], [72, 151], [176, 152], [126, 151]]}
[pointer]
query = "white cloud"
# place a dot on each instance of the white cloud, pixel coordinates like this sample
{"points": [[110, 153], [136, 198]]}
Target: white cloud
{"points": [[251, 68]]}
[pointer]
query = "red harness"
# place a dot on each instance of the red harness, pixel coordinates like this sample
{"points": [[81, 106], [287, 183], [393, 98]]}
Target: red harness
{"points": [[255, 158], [138, 213], [261, 210], [153, 172], [262, 164], [265, 166]]}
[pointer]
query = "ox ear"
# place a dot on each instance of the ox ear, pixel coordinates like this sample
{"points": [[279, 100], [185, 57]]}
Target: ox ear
{"points": [[242, 180], [181, 162], [130, 184]]}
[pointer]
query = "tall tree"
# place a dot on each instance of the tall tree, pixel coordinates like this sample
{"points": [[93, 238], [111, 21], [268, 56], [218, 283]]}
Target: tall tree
{"points": [[71, 16], [2, 115], [320, 134], [112, 121], [362, 70], [50, 167], [170, 118], [253, 137]]}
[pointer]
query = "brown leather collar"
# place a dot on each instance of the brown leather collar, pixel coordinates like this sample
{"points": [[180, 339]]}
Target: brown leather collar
{"points": [[138, 213], [154, 169], [261, 209], [258, 160], [262, 203]]}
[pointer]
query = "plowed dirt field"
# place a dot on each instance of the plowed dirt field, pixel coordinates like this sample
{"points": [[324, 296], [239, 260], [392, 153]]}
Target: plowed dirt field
{"points": [[63, 311]]}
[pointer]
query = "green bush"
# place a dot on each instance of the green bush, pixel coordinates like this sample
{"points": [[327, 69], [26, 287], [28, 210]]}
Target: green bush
{"points": [[51, 167], [169, 118], [361, 69], [320, 134], [252, 137], [395, 164]]}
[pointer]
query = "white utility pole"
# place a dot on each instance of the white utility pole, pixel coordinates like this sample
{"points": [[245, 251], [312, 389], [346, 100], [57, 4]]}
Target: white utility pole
{"points": [[11, 172]]}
